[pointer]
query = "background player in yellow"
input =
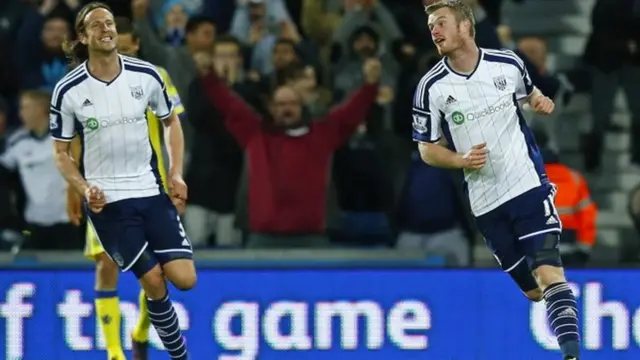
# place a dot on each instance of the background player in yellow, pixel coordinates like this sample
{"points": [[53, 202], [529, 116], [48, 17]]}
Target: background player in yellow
{"points": [[107, 302]]}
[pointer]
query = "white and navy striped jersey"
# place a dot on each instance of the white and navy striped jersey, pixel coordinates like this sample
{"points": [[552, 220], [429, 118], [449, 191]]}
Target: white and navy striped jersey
{"points": [[483, 107], [110, 119], [45, 189]]}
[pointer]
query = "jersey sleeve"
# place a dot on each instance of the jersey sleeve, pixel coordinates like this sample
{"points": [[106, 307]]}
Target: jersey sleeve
{"points": [[426, 115], [172, 92], [158, 98], [61, 115], [524, 85]]}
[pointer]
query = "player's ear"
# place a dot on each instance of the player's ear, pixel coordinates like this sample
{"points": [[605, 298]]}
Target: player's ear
{"points": [[82, 38], [464, 26]]}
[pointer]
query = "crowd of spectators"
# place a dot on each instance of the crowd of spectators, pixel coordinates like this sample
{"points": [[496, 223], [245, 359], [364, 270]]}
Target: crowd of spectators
{"points": [[325, 161]]}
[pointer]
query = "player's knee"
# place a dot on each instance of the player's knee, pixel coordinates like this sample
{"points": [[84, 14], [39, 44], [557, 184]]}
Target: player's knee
{"points": [[534, 295], [185, 282], [547, 274], [181, 273], [106, 272]]}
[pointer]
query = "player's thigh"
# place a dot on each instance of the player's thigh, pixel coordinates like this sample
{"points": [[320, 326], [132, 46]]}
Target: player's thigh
{"points": [[537, 227], [121, 232], [501, 240], [163, 228]]}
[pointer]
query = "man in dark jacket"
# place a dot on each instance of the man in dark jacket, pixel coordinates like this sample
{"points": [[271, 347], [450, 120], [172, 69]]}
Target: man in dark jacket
{"points": [[289, 159], [39, 56], [613, 51], [433, 215], [216, 159]]}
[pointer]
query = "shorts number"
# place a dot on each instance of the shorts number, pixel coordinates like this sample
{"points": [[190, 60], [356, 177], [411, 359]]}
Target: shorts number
{"points": [[181, 231]]}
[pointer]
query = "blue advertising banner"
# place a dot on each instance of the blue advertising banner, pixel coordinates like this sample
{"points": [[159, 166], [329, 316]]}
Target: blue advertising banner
{"points": [[351, 314]]}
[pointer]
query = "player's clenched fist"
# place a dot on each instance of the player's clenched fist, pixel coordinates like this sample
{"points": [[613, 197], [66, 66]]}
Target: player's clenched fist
{"points": [[178, 192], [372, 69], [475, 158], [95, 199], [542, 105]]}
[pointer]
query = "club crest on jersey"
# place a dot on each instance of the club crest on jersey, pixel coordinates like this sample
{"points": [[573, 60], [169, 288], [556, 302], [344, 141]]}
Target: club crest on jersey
{"points": [[500, 82], [117, 258], [136, 92]]}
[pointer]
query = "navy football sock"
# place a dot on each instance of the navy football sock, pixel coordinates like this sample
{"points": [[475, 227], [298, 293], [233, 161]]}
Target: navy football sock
{"points": [[164, 318], [562, 314]]}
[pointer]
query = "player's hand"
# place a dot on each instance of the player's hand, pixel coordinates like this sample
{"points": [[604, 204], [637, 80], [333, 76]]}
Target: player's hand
{"points": [[372, 69], [74, 206], [203, 63], [475, 158], [542, 105], [95, 199], [178, 192]]}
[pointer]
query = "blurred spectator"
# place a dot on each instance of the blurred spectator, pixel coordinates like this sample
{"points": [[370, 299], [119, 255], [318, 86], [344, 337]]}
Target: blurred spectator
{"points": [[39, 56], [199, 36], [431, 214], [364, 178], [216, 161], [320, 19], [411, 19], [370, 13], [10, 190], [255, 19], [261, 54], [162, 7], [284, 58], [614, 55], [574, 205], [289, 157], [29, 154], [364, 44], [316, 99], [173, 22], [535, 50]]}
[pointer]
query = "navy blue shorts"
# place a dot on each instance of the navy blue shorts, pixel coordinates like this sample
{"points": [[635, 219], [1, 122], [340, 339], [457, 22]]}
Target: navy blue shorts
{"points": [[521, 229], [139, 233]]}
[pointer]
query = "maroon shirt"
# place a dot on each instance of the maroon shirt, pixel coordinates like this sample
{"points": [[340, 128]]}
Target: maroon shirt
{"points": [[288, 176]]}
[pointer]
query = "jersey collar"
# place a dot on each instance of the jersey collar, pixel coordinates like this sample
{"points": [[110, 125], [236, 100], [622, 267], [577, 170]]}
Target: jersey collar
{"points": [[469, 75], [107, 83]]}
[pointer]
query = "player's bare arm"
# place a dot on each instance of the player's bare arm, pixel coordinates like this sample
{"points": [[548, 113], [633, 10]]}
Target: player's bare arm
{"points": [[539, 103], [174, 140], [67, 167], [74, 200], [438, 155]]}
